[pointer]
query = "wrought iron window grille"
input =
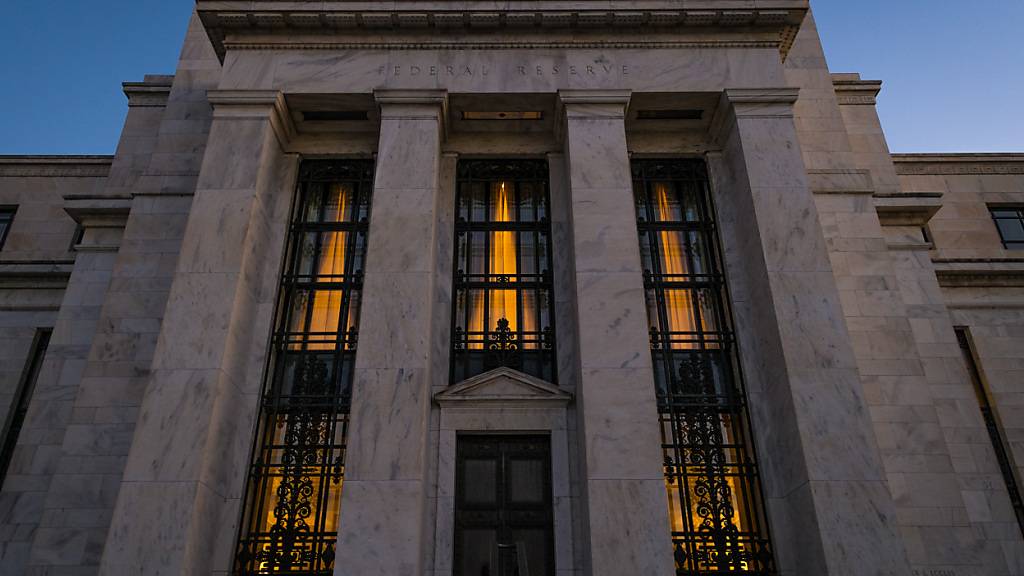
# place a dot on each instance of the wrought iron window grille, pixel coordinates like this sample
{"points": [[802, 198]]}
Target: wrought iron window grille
{"points": [[504, 307], [293, 493], [718, 519]]}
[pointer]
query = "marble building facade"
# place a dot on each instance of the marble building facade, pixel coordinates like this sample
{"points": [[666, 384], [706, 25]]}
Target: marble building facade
{"points": [[739, 334]]}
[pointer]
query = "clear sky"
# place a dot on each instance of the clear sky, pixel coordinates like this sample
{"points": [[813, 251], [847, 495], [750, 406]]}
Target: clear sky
{"points": [[953, 71]]}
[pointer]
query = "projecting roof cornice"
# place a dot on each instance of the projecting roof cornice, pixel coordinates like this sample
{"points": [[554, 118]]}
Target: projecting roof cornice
{"points": [[952, 164], [425, 24]]}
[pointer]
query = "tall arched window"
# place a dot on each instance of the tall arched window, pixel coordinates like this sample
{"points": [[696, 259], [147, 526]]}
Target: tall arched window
{"points": [[293, 495], [716, 510], [504, 309]]}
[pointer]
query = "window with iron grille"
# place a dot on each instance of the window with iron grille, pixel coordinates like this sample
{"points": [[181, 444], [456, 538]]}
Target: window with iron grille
{"points": [[1010, 222], [504, 310], [6, 219], [716, 510], [19, 410], [293, 494]]}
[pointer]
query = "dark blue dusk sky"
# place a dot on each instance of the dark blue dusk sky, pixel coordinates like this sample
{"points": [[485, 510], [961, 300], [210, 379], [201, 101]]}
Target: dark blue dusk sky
{"points": [[953, 71]]}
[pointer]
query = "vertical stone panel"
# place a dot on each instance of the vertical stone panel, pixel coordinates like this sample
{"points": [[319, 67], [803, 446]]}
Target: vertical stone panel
{"points": [[96, 439], [830, 506], [383, 512], [50, 411], [625, 485], [566, 336], [177, 510], [437, 502], [920, 399]]}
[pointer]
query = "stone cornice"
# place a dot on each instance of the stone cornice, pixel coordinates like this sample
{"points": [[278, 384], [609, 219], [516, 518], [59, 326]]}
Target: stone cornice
{"points": [[980, 272], [237, 18], [756, 103], [35, 274], [951, 164], [852, 91], [784, 95], [98, 211], [397, 103], [614, 97], [350, 44], [906, 210], [255, 104], [55, 166], [420, 97], [153, 92]]}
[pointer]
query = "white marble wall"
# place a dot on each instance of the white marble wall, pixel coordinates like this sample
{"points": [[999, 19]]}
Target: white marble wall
{"points": [[178, 507], [823, 345], [39, 446], [502, 71], [94, 442], [383, 512], [618, 418], [830, 508]]}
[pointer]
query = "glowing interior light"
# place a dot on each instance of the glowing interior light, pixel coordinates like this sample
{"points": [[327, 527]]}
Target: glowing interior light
{"points": [[501, 264], [678, 303], [324, 318], [702, 495], [298, 496]]}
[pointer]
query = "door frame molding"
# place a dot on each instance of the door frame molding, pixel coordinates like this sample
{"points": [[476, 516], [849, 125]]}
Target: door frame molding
{"points": [[503, 401]]}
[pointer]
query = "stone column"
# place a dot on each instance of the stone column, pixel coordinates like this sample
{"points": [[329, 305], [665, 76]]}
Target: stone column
{"points": [[383, 520], [830, 509], [178, 507], [618, 418]]}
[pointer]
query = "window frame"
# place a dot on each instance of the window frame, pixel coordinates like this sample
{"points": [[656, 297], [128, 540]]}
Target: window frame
{"points": [[7, 214], [993, 422], [1017, 217], [315, 402], [22, 399], [500, 346], [702, 407]]}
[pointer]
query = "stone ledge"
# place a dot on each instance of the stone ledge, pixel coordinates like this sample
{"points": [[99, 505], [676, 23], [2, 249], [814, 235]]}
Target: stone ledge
{"points": [[222, 18], [952, 164], [979, 272], [98, 211], [69, 166], [35, 274], [907, 210], [851, 90], [153, 92]]}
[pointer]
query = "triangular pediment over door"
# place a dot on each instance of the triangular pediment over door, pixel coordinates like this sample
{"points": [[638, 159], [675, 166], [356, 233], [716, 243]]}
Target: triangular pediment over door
{"points": [[502, 386]]}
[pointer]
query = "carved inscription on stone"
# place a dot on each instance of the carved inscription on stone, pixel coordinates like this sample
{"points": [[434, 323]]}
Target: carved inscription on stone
{"points": [[521, 70]]}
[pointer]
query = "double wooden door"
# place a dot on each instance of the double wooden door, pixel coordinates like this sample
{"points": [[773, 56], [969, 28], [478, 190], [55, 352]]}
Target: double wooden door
{"points": [[503, 506]]}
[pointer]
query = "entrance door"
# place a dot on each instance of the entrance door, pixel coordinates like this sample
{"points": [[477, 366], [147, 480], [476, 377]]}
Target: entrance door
{"points": [[503, 512]]}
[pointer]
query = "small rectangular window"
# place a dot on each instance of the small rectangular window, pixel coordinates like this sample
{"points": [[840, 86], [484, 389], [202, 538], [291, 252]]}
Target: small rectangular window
{"points": [[1010, 223], [6, 219], [24, 395], [996, 433]]}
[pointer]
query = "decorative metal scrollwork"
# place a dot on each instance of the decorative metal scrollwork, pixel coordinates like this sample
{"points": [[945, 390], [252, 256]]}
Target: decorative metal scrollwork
{"points": [[718, 515], [503, 345], [290, 520]]}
